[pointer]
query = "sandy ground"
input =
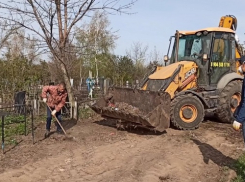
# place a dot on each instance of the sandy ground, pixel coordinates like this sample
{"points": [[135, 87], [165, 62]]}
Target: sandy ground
{"points": [[101, 153]]}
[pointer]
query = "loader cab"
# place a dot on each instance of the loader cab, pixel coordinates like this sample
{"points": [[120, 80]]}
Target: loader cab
{"points": [[222, 56], [212, 49]]}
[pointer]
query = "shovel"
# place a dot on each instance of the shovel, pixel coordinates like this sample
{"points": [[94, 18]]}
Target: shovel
{"points": [[67, 137]]}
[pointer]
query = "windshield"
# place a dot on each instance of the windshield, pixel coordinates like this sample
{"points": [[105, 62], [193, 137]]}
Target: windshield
{"points": [[192, 47]]}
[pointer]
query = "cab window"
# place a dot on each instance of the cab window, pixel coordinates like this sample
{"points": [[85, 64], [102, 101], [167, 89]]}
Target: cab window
{"points": [[220, 57]]}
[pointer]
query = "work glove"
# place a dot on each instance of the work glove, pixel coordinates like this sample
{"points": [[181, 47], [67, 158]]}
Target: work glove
{"points": [[53, 112], [240, 69], [44, 100], [236, 125]]}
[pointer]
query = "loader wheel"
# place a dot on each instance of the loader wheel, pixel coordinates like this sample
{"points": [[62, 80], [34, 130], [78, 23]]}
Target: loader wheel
{"points": [[187, 112], [229, 99]]}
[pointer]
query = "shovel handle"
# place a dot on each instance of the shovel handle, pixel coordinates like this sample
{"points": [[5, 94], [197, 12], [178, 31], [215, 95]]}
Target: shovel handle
{"points": [[57, 120]]}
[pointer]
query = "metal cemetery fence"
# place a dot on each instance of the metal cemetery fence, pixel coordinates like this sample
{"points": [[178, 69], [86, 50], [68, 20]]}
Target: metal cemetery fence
{"points": [[16, 121]]}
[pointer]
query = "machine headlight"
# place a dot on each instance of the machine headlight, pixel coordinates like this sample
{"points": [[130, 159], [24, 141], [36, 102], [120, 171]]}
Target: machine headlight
{"points": [[199, 33], [205, 32]]}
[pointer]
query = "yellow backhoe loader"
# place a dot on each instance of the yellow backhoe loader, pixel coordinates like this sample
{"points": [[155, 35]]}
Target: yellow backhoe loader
{"points": [[201, 76]]}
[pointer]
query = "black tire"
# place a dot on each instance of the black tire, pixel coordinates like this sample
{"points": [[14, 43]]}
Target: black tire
{"points": [[180, 102], [224, 111]]}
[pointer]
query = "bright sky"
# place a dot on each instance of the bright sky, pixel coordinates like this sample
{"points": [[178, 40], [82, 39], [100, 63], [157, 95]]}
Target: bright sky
{"points": [[157, 20]]}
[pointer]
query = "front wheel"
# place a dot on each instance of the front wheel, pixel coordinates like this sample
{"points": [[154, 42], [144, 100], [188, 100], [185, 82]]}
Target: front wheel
{"points": [[187, 112], [229, 99]]}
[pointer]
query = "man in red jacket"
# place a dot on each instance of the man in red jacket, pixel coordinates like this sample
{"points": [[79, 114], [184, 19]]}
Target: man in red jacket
{"points": [[55, 97]]}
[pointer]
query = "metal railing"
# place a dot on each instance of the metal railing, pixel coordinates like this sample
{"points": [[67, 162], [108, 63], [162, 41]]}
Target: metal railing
{"points": [[14, 123]]}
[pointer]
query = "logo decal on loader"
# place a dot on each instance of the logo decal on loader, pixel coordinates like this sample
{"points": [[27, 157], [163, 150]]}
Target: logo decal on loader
{"points": [[190, 72]]}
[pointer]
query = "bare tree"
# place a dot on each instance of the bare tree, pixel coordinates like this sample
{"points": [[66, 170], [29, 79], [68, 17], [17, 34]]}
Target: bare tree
{"points": [[20, 45], [138, 54], [6, 30], [155, 58], [53, 21], [96, 39]]}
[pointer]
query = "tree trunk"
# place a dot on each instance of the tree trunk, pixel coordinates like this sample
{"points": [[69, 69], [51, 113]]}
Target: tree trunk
{"points": [[68, 83]]}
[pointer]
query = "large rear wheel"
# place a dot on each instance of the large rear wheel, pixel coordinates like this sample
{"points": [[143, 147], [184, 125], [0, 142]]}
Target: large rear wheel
{"points": [[187, 112], [229, 99]]}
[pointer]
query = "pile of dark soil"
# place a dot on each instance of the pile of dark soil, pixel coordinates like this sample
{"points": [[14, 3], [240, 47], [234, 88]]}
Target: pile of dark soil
{"points": [[122, 106]]}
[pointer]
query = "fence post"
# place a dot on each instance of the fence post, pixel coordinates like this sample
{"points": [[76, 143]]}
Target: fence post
{"points": [[71, 111], [137, 83], [127, 84], [3, 134], [25, 119], [32, 126], [35, 105], [75, 110], [38, 107]]}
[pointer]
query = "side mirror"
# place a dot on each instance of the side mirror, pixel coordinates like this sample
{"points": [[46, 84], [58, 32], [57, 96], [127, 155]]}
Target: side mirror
{"points": [[166, 58], [205, 57]]}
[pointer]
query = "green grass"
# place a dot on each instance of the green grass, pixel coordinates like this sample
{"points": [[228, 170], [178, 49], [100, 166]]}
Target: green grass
{"points": [[14, 126], [15, 129], [13, 119], [240, 169]]}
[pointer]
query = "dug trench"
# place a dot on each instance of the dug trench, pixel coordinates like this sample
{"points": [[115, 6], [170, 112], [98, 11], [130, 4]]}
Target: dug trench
{"points": [[102, 153]]}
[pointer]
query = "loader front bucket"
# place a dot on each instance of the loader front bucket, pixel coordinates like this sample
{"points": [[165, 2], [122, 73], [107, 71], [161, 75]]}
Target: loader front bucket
{"points": [[147, 108]]}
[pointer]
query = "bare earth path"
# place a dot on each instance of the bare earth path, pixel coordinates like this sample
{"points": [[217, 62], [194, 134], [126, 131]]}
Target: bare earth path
{"points": [[101, 153]]}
